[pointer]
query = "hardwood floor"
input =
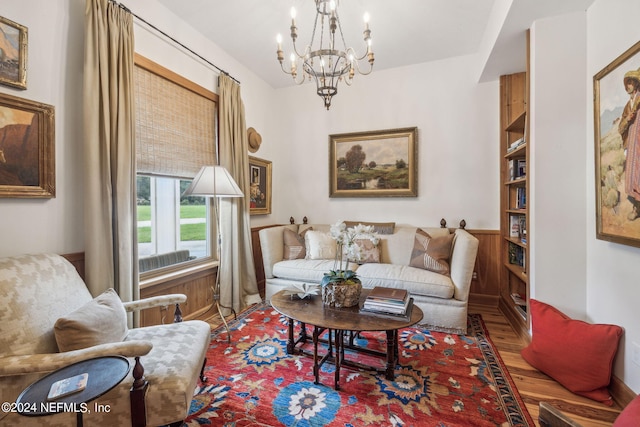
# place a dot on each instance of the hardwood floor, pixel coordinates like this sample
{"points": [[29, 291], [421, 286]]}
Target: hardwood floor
{"points": [[534, 386]]}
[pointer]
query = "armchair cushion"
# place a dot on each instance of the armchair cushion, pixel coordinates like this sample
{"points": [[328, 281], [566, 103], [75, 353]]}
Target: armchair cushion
{"points": [[100, 321]]}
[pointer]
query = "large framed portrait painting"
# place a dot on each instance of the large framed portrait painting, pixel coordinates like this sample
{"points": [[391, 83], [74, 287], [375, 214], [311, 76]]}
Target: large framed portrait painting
{"points": [[617, 149]]}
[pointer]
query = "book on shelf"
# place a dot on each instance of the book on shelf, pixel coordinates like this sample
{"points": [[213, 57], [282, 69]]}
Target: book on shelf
{"points": [[522, 309], [516, 144], [386, 315], [521, 168], [517, 299], [514, 226], [68, 386], [516, 255], [521, 198]]}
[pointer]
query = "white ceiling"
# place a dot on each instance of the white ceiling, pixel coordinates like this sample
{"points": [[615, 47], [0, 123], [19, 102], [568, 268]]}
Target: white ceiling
{"points": [[404, 32]]}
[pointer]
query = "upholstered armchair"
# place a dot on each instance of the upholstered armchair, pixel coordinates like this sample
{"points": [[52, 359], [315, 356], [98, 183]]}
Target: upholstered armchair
{"points": [[48, 320]]}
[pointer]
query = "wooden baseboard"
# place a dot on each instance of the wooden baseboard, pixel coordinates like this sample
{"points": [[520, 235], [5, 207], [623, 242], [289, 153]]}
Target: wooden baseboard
{"points": [[620, 392], [486, 300]]}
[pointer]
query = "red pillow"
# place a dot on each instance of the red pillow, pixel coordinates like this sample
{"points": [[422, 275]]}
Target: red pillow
{"points": [[577, 354], [630, 414]]}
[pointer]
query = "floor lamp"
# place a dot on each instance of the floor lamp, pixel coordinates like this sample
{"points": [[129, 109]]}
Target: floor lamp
{"points": [[216, 182]]}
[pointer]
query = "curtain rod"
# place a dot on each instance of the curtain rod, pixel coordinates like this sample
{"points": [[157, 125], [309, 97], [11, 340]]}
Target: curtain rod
{"points": [[122, 6]]}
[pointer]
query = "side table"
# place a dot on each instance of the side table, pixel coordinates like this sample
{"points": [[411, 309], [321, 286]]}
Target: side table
{"points": [[104, 374]]}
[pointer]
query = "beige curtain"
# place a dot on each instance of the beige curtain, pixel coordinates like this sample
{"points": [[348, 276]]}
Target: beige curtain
{"points": [[109, 126], [238, 287]]}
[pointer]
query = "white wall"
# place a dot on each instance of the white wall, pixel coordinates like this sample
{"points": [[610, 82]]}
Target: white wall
{"points": [[458, 140], [613, 288], [557, 163], [54, 67]]}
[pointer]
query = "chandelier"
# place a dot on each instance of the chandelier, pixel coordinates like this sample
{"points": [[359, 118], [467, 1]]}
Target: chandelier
{"points": [[322, 59]]}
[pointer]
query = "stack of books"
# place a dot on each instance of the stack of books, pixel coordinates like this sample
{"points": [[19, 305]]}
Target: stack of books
{"points": [[389, 302]]}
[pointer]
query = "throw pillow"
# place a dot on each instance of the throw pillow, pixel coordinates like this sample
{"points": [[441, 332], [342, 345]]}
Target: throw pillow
{"points": [[577, 354], [369, 252], [100, 321], [431, 253], [630, 414], [294, 247], [320, 245], [378, 227]]}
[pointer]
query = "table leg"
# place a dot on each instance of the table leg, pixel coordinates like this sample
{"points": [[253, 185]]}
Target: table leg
{"points": [[392, 349], [339, 336], [316, 368], [290, 340]]}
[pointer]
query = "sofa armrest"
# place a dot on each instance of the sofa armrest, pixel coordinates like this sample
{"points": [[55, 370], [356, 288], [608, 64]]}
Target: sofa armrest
{"points": [[463, 261], [42, 363], [272, 246], [159, 301]]}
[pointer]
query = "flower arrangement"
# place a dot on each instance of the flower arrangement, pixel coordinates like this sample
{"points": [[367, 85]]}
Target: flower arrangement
{"points": [[347, 250]]}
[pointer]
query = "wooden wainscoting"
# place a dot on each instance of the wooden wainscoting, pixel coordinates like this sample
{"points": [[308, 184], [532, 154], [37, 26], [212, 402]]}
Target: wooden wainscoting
{"points": [[485, 285], [197, 285]]}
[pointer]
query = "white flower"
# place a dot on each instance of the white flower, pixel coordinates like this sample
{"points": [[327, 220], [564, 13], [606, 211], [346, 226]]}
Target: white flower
{"points": [[345, 239]]}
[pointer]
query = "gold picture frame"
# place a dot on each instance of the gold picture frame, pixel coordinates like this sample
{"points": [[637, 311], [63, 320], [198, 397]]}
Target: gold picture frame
{"points": [[381, 163], [13, 54], [27, 148], [617, 149], [260, 186]]}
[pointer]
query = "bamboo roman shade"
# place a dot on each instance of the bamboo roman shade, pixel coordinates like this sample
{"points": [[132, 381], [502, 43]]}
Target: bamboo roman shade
{"points": [[175, 127]]}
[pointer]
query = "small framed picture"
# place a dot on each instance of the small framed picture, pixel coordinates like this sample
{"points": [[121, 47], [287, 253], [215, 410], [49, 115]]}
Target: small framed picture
{"points": [[13, 54], [27, 148], [260, 176]]}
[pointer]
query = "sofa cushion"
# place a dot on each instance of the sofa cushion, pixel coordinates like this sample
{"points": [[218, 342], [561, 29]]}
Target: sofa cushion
{"points": [[431, 253], [100, 321], [320, 245], [378, 227], [415, 280], [577, 354], [294, 244], [306, 270]]}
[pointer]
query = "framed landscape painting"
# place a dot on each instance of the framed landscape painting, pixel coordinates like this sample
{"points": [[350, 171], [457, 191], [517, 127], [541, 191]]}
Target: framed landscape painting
{"points": [[13, 54], [617, 149], [379, 163], [27, 153], [260, 175]]}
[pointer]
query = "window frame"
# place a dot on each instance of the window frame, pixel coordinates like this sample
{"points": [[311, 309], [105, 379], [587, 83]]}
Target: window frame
{"points": [[161, 275]]}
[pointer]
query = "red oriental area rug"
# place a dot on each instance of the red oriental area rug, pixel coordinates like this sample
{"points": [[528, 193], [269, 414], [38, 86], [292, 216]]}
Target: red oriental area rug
{"points": [[441, 380]]}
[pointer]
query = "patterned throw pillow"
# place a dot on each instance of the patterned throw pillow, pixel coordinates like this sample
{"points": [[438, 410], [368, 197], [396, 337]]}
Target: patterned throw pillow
{"points": [[369, 252], [294, 247], [431, 253], [378, 227]]}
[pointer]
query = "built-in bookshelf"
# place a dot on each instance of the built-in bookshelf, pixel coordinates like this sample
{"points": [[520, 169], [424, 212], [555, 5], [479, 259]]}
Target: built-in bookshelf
{"points": [[514, 196]]}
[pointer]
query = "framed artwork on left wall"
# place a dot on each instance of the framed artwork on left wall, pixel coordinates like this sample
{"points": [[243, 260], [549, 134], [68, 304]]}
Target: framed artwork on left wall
{"points": [[27, 148], [13, 54], [260, 177]]}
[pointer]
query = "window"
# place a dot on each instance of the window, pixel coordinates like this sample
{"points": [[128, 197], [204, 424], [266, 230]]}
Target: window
{"points": [[175, 137]]}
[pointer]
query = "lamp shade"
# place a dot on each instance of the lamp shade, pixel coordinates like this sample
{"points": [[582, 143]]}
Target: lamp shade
{"points": [[213, 181]]}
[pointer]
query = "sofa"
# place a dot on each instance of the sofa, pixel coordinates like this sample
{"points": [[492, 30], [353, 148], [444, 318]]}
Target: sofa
{"points": [[50, 320], [442, 295]]}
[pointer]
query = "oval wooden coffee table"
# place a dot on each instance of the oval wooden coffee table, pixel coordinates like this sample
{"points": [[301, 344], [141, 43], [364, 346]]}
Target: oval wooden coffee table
{"points": [[337, 321]]}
